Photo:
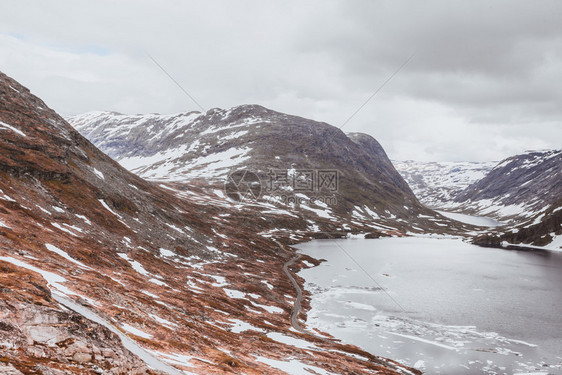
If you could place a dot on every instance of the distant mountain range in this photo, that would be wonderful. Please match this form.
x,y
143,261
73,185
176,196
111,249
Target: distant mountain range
x,y
523,191
515,188
437,184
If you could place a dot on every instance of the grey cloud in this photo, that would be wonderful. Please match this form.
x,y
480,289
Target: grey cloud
x,y
471,55
479,66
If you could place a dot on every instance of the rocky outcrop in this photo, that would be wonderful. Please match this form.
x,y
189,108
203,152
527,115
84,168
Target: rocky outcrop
x,y
66,340
38,336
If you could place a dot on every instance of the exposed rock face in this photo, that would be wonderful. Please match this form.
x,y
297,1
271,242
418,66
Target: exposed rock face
x,y
196,279
203,148
437,184
518,188
35,334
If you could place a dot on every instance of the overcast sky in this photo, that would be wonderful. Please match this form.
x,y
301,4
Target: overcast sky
x,y
484,83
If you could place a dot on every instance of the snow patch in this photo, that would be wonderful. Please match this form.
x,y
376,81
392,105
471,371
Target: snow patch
x,y
99,174
136,265
10,127
135,331
65,255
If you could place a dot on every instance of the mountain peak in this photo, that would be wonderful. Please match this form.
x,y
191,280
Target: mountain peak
x,y
204,148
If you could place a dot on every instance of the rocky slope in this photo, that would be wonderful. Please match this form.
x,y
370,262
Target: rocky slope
x,y
104,272
294,160
436,184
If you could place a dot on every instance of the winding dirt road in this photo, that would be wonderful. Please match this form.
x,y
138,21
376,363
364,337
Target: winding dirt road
x,y
297,307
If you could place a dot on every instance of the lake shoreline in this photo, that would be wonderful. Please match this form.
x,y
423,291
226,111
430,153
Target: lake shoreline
x,y
356,301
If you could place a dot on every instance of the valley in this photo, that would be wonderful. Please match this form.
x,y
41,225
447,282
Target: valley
x,y
140,248
280,187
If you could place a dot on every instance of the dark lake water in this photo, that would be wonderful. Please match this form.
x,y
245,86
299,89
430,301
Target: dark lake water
x,y
441,305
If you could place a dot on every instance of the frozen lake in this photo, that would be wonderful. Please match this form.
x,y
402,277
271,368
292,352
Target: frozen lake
x,y
447,307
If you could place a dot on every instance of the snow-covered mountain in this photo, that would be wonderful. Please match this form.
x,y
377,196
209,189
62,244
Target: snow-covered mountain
x,y
203,148
169,147
525,191
519,187
436,184
103,272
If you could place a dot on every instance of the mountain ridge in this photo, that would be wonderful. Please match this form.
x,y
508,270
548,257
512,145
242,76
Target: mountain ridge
x,y
206,147
517,188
